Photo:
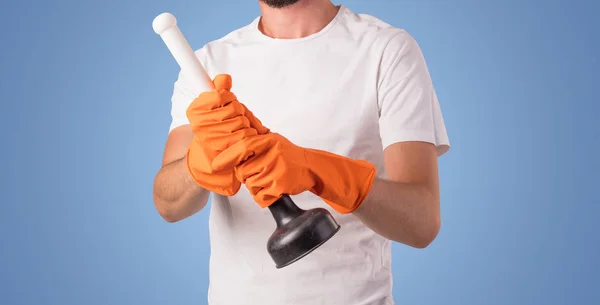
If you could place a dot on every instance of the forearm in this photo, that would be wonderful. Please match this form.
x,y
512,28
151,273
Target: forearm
x,y
176,195
405,213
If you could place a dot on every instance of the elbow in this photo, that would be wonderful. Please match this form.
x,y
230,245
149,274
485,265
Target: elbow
x,y
429,227
421,237
164,210
169,217
425,240
427,234
166,206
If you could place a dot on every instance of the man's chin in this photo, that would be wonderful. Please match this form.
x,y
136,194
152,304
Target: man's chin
x,y
279,3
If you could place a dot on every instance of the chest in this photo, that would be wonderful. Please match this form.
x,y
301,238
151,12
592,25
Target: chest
x,y
323,98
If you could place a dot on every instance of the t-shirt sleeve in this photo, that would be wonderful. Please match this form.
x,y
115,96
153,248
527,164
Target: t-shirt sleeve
x,y
408,106
183,96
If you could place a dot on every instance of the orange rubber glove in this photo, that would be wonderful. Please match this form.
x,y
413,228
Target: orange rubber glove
x,y
218,120
271,166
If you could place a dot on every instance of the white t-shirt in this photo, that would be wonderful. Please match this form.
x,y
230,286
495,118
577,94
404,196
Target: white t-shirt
x,y
354,88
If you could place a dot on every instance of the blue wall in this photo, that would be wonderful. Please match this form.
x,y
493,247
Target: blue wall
x,y
85,89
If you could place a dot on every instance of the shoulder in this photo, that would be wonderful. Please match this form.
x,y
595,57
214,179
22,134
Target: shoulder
x,y
383,35
242,35
212,54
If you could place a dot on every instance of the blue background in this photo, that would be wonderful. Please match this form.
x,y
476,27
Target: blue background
x,y
85,89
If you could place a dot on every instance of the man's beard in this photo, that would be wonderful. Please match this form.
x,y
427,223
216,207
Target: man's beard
x,y
279,3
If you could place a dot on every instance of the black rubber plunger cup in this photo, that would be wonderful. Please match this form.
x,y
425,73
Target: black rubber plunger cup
x,y
298,232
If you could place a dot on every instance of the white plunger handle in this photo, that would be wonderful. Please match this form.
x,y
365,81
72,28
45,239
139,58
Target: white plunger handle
x,y
165,25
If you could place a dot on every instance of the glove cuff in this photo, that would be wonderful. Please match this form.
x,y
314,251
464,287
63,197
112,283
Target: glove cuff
x,y
343,183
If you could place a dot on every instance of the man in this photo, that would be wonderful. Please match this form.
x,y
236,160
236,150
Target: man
x,y
336,109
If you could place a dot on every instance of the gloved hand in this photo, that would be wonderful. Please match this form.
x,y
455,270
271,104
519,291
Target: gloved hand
x,y
271,166
218,120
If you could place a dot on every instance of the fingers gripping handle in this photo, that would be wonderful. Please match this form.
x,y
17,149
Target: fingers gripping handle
x,y
165,25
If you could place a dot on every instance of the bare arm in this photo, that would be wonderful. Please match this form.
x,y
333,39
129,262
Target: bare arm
x,y
176,195
406,206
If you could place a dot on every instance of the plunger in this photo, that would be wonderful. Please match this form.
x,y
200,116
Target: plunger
x,y
298,232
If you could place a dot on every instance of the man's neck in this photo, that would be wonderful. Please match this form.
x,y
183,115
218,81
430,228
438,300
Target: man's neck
x,y
299,20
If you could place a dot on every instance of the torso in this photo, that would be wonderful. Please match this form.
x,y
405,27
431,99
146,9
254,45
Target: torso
x,y
319,92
